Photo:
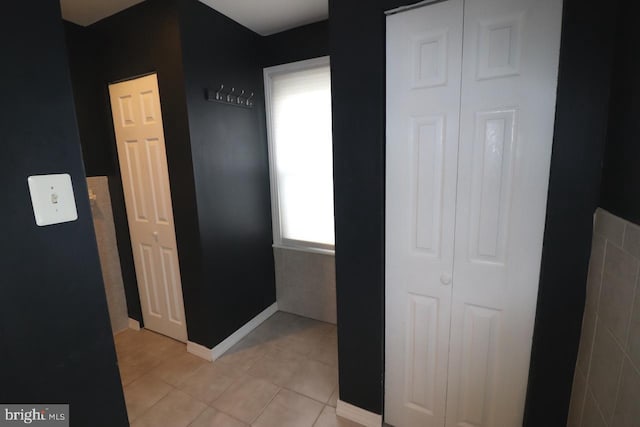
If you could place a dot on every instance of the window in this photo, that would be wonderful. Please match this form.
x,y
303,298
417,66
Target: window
x,y
298,102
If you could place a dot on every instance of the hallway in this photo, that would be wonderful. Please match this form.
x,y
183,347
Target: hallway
x,y
284,373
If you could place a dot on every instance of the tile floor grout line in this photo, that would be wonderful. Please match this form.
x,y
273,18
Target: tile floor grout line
x,y
230,416
265,406
154,404
197,416
318,416
298,343
308,397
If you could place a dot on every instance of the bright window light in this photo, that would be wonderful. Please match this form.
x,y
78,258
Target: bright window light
x,y
299,120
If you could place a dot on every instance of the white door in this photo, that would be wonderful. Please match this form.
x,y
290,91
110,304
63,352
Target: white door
x,y
137,120
509,80
507,106
424,54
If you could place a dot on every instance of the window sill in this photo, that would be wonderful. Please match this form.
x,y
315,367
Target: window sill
x,y
308,249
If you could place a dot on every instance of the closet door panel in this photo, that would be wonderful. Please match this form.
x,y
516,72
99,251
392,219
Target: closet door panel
x,y
509,78
424,60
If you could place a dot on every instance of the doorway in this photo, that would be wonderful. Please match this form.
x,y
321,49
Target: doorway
x,y
137,121
471,89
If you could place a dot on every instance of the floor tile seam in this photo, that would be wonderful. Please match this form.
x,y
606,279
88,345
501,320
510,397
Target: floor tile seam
x,y
307,396
298,394
229,386
226,413
141,377
267,404
164,381
151,368
143,413
209,403
319,415
323,362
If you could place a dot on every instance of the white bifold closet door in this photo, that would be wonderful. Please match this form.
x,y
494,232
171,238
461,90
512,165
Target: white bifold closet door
x,y
471,89
137,122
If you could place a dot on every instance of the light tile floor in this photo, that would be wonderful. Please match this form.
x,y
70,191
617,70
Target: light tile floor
x,y
283,374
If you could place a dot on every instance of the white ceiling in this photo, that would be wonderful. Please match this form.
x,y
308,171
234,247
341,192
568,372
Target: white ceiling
x,y
262,16
272,16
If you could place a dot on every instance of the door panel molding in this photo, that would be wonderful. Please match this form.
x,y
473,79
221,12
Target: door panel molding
x,y
468,148
137,120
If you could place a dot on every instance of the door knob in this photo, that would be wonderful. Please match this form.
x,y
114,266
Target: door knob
x,y
155,235
445,278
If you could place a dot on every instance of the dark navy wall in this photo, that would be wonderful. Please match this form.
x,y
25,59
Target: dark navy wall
x,y
357,40
217,155
231,172
621,174
306,42
574,187
85,65
357,49
56,344
140,40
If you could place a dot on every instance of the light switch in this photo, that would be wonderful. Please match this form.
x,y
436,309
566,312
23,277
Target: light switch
x,y
52,198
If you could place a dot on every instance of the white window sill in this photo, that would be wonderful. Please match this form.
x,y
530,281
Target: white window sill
x,y
308,249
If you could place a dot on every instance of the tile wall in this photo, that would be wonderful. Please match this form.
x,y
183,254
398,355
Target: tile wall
x,y
108,250
306,284
606,385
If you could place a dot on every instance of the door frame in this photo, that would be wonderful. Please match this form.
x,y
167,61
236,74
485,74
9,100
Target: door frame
x,y
544,206
123,231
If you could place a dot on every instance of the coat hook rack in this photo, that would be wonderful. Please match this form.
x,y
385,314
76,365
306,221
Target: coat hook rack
x,y
229,97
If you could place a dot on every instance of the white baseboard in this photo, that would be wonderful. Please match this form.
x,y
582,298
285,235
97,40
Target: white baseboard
x,y
358,415
232,339
199,350
134,324
212,354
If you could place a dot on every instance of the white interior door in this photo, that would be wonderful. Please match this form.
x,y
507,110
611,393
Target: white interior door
x,y
499,148
509,80
424,57
137,120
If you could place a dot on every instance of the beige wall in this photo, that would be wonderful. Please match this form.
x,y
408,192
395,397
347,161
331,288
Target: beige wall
x,y
306,284
108,250
606,387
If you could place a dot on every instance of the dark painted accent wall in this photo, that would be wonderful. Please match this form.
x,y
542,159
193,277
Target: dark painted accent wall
x,y
357,48
230,166
140,40
56,344
85,65
574,187
621,174
217,154
356,34
306,42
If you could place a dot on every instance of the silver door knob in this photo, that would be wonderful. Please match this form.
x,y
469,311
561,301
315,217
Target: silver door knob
x,y
445,278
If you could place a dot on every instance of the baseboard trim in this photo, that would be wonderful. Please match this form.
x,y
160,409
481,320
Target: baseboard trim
x,y
199,350
212,354
358,415
134,324
232,339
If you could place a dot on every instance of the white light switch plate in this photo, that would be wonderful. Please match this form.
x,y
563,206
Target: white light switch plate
x,y
52,199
